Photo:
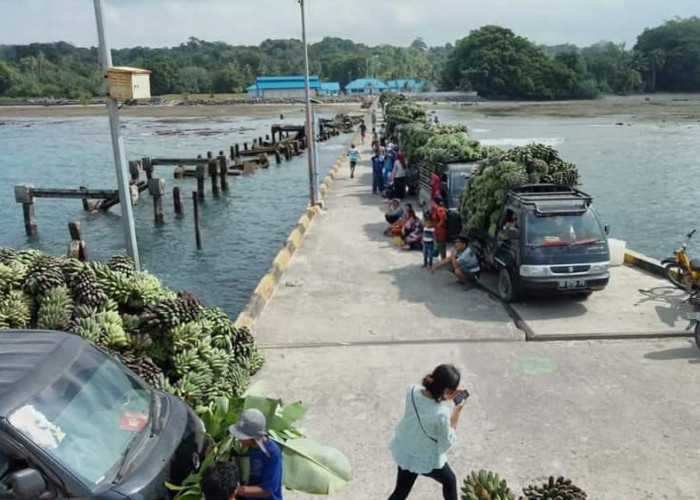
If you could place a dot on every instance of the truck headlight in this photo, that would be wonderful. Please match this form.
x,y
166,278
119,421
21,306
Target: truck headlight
x,y
599,268
534,271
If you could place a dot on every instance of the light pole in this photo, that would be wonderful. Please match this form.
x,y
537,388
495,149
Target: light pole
x,y
310,140
117,144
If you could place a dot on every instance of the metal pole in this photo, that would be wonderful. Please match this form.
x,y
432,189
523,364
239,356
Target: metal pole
x,y
317,132
310,142
117,145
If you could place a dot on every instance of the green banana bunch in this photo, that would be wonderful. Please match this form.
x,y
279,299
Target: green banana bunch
x,y
16,310
555,489
485,485
43,274
122,264
55,310
12,275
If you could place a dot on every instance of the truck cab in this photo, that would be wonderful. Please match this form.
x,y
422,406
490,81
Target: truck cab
x,y
76,423
454,177
550,240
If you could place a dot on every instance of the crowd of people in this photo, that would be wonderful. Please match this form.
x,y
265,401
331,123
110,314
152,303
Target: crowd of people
x,y
430,236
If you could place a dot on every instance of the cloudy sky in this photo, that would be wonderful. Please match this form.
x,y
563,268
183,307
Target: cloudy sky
x,y
170,22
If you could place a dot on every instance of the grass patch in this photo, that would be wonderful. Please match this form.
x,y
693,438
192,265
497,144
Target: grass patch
x,y
216,97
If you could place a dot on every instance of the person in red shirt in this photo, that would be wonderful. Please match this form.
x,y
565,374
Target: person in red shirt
x,y
439,216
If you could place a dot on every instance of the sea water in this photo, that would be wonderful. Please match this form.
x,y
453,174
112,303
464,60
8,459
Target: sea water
x,y
242,230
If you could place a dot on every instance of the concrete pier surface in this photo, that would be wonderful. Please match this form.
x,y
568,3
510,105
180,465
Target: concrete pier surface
x,y
354,321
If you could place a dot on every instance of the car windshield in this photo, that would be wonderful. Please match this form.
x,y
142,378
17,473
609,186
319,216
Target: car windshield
x,y
563,230
87,419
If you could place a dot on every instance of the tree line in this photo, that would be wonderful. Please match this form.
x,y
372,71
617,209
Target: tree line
x,y
491,60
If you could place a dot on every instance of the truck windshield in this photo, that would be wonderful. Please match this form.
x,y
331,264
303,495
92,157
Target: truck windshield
x,y
563,230
87,419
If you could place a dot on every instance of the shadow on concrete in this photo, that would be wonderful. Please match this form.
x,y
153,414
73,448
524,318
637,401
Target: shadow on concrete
x,y
670,303
375,232
691,353
442,294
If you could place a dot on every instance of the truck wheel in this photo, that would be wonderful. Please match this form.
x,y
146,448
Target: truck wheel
x,y
507,287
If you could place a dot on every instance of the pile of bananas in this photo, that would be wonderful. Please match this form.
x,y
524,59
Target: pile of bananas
x,y
555,489
485,485
399,110
483,198
171,340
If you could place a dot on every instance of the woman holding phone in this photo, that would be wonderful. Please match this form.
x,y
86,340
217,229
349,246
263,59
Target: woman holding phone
x,y
427,431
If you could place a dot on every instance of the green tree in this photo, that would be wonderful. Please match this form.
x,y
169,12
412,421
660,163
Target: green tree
x,y
163,74
8,77
673,52
229,79
419,45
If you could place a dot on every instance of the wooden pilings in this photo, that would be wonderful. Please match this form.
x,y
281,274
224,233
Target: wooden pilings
x,y
201,175
214,176
197,234
223,170
156,187
77,248
177,200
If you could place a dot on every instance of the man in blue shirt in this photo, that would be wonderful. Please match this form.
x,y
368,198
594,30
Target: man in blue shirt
x,y
377,173
463,261
265,479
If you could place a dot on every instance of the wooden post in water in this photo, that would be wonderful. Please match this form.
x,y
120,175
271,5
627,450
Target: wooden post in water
x,y
197,235
214,174
210,155
134,171
77,248
223,171
23,195
86,202
278,157
233,153
255,142
156,187
260,141
201,175
237,148
147,167
245,146
267,137
177,200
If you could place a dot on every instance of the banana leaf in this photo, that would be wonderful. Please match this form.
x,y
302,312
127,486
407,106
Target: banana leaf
x,y
313,468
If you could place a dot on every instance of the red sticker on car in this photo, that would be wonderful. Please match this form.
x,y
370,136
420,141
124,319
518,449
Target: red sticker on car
x,y
133,421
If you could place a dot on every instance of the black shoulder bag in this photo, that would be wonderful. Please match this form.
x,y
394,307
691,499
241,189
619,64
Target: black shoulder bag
x,y
413,399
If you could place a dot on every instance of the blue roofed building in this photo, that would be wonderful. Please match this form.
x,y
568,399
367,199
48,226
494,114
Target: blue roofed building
x,y
329,89
282,87
407,85
369,86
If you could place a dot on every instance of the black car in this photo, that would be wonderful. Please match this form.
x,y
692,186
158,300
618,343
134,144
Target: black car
x,y
549,240
76,423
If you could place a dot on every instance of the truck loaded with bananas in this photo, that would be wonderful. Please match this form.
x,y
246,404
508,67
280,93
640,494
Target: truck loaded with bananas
x,y
169,339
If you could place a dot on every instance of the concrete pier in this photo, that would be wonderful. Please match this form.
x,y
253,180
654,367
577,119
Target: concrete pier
x,y
354,321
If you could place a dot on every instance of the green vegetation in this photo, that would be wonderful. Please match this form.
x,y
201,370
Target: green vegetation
x,y
484,485
171,340
492,60
309,466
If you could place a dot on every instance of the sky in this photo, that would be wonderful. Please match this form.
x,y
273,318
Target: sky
x,y
158,23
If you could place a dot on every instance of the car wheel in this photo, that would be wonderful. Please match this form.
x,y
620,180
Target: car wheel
x,y
506,286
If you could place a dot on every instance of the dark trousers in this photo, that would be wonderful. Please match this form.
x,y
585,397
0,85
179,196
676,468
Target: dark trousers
x,y
428,251
405,480
400,187
377,182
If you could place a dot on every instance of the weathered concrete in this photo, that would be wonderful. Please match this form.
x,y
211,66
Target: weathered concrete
x,y
635,303
354,321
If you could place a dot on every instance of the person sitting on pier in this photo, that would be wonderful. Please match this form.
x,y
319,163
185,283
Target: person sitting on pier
x,y
462,260
396,229
394,212
354,156
412,232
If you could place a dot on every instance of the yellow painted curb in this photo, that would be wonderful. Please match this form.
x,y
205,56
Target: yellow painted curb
x,y
315,210
295,238
244,320
282,260
323,190
265,287
327,182
304,221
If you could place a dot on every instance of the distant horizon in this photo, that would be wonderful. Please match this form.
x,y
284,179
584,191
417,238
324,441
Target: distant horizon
x,y
160,23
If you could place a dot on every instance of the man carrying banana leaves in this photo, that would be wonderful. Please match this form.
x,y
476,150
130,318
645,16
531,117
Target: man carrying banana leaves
x,y
265,479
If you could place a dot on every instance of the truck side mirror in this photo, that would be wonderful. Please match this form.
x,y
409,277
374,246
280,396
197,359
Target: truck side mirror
x,y
27,484
513,233
607,230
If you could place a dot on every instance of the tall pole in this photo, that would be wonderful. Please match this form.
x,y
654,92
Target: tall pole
x,y
311,143
117,144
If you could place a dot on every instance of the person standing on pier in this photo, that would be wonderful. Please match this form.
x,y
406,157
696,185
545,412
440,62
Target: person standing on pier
x,y
354,156
377,176
363,131
439,216
265,479
427,432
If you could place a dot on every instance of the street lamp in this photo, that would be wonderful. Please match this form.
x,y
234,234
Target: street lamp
x,y
310,139
117,144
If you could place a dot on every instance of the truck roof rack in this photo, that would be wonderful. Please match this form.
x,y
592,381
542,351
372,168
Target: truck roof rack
x,y
553,198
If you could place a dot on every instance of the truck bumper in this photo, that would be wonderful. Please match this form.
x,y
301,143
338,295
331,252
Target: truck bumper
x,y
563,285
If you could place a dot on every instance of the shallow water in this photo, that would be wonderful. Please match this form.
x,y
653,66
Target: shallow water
x,y
242,230
644,177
